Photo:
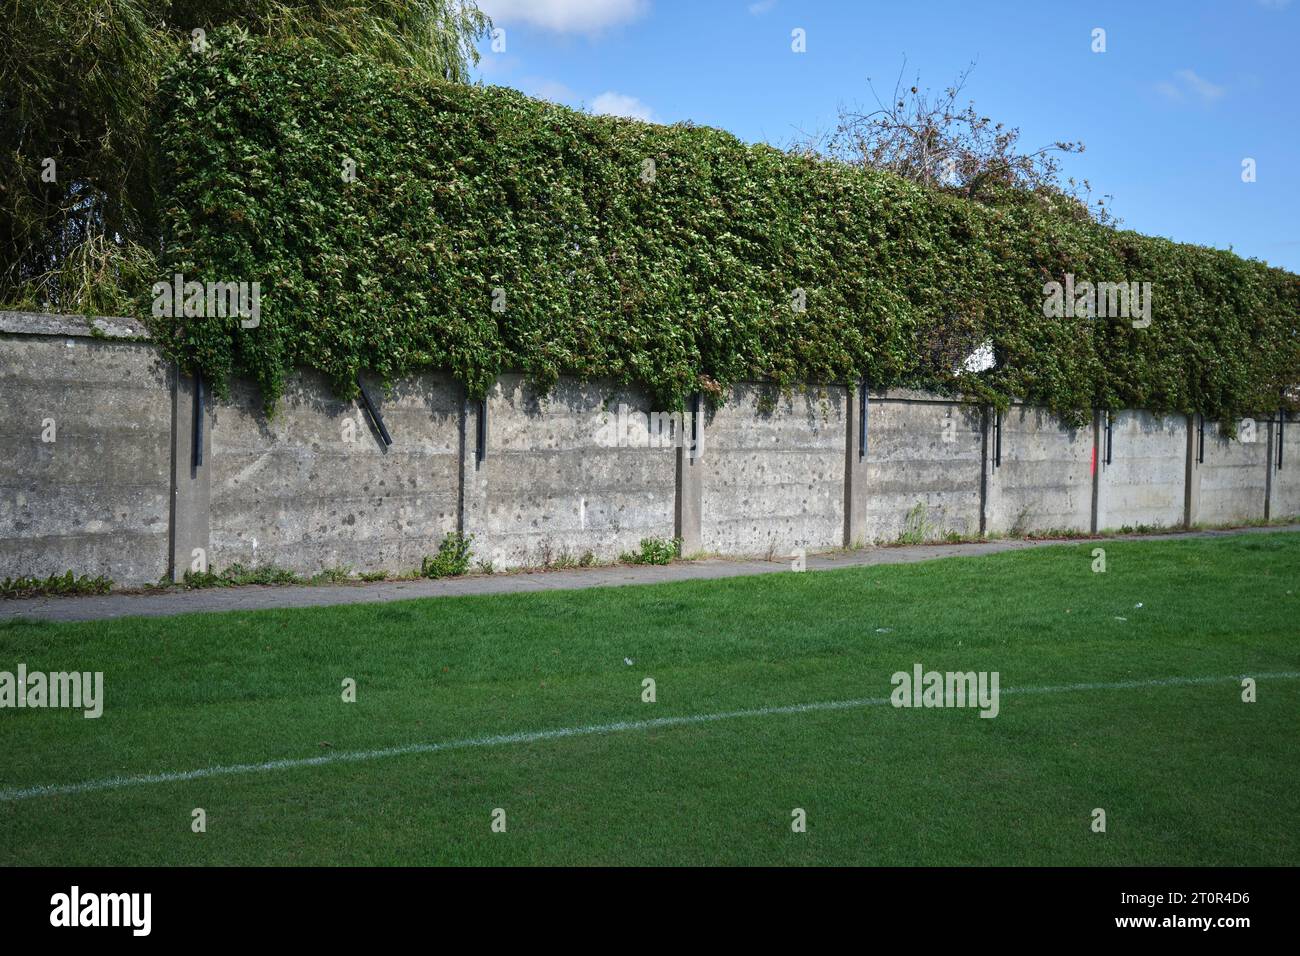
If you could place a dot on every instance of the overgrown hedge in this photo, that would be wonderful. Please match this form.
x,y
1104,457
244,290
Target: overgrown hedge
x,y
679,277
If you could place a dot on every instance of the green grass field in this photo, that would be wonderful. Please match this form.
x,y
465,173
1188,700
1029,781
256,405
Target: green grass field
x,y
1187,773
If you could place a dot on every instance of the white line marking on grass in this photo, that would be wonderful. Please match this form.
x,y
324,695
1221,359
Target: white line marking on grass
x,y
559,733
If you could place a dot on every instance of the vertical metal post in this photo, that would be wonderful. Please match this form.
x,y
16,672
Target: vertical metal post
x,y
697,421
480,445
1281,434
997,439
864,406
1200,439
196,458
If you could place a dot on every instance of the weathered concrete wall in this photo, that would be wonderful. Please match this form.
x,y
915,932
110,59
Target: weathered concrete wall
x,y
922,467
1231,478
95,499
575,472
1144,483
1044,480
1286,480
314,487
774,471
566,474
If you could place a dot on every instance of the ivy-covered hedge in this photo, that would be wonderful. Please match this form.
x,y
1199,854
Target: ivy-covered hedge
x,y
669,256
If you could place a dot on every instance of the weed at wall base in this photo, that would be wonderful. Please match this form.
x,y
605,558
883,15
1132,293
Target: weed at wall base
x,y
452,559
654,551
60,584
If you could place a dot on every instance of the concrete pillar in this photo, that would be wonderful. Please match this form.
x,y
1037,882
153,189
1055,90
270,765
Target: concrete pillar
x,y
855,473
1098,464
1268,469
472,495
1192,495
988,420
688,505
190,512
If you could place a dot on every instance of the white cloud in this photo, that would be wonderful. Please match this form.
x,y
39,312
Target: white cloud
x,y
619,104
1275,4
1189,83
761,7
565,16
548,90
1201,87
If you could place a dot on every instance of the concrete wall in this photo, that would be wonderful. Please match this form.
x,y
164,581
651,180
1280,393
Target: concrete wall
x,y
1232,477
121,492
1144,483
773,476
1044,480
314,487
921,471
566,474
96,499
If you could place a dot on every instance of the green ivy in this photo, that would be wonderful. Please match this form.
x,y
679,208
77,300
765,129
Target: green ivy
x,y
664,256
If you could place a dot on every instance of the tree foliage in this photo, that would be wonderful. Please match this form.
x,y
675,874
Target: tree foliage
x,y
77,85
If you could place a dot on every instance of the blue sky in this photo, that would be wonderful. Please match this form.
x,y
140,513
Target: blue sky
x,y
1185,91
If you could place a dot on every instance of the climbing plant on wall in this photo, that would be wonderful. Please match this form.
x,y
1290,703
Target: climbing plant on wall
x,y
396,223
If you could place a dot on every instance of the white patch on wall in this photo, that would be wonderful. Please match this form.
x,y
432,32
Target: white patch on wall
x,y
980,360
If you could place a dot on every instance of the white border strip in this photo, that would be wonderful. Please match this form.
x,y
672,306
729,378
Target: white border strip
x,y
559,733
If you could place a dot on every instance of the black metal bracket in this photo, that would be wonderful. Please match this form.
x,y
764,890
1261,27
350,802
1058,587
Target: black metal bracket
x,y
373,411
196,451
1110,437
864,408
997,438
481,432
1200,438
697,422
1281,434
